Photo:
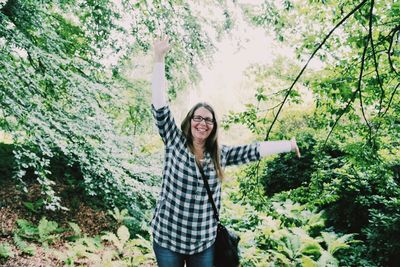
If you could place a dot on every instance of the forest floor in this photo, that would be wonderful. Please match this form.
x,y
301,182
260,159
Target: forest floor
x,y
92,221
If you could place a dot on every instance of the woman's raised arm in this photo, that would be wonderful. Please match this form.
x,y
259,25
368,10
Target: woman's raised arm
x,y
158,81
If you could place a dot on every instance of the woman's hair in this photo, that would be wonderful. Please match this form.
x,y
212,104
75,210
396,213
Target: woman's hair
x,y
212,140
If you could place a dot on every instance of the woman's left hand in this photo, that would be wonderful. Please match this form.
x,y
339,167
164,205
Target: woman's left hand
x,y
294,147
161,48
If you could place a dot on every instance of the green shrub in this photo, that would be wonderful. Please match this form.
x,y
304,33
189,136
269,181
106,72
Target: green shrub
x,y
108,250
383,231
286,171
288,235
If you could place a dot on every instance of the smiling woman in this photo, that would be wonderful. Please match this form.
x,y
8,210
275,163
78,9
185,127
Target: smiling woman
x,y
184,227
201,131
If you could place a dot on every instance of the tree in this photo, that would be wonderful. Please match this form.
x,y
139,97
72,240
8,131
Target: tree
x,y
354,127
58,93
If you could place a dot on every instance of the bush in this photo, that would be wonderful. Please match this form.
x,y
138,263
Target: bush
x,y
353,184
383,231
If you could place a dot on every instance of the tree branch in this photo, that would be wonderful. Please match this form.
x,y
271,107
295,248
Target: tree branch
x,y
308,61
390,100
359,91
341,114
393,33
362,70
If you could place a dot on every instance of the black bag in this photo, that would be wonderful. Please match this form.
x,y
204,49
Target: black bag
x,y
226,248
226,244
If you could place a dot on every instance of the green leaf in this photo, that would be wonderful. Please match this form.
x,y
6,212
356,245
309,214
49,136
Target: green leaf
x,y
308,262
77,230
327,260
123,234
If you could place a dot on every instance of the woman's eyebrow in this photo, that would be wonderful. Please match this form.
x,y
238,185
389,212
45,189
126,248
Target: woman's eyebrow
x,y
207,117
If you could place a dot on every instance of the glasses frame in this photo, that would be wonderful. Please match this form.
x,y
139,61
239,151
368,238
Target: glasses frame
x,y
198,118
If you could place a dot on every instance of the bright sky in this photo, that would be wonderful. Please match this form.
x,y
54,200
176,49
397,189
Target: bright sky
x,y
222,83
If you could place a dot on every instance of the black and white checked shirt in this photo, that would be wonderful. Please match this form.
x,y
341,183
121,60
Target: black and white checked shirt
x,y
183,220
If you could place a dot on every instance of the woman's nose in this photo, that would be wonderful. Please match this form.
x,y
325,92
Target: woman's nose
x,y
203,122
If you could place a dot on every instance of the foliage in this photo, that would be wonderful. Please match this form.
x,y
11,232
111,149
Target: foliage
x,y
120,250
23,246
45,233
357,191
286,234
120,216
34,206
118,240
81,248
64,103
5,251
349,138
383,231
77,248
77,232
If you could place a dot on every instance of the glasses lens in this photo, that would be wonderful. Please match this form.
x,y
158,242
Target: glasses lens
x,y
198,118
209,121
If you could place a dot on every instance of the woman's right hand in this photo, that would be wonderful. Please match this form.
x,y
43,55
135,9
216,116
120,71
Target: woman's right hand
x,y
161,48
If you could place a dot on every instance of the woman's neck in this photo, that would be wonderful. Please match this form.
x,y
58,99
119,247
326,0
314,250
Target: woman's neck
x,y
199,145
198,148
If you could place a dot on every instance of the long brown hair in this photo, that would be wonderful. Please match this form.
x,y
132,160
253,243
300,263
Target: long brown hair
x,y
212,140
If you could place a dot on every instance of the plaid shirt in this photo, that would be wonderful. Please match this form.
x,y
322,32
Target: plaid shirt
x,y
183,220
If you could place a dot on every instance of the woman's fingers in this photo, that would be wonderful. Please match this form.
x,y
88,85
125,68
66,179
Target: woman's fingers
x,y
298,152
295,147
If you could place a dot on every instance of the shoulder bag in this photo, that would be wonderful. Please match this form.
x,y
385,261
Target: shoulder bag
x,y
226,243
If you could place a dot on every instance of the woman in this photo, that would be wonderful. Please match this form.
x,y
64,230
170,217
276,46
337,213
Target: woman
x,y
183,225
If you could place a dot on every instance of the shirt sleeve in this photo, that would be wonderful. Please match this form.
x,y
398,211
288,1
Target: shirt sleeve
x,y
166,125
235,155
268,148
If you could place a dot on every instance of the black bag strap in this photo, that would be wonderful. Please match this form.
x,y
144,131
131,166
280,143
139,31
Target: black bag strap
x,y
216,215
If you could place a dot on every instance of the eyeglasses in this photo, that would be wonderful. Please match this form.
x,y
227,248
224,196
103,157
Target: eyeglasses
x,y
198,118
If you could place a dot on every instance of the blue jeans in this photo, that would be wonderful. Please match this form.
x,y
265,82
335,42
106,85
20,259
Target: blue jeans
x,y
168,258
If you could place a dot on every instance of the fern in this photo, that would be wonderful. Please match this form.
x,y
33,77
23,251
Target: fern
x,y
84,247
120,216
25,247
118,240
139,252
6,251
308,262
27,229
77,231
43,233
336,243
327,260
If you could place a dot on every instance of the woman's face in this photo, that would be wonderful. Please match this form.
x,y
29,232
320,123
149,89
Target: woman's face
x,y
202,124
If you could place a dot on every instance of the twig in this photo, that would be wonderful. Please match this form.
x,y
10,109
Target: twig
x,y
390,100
393,33
308,61
343,112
